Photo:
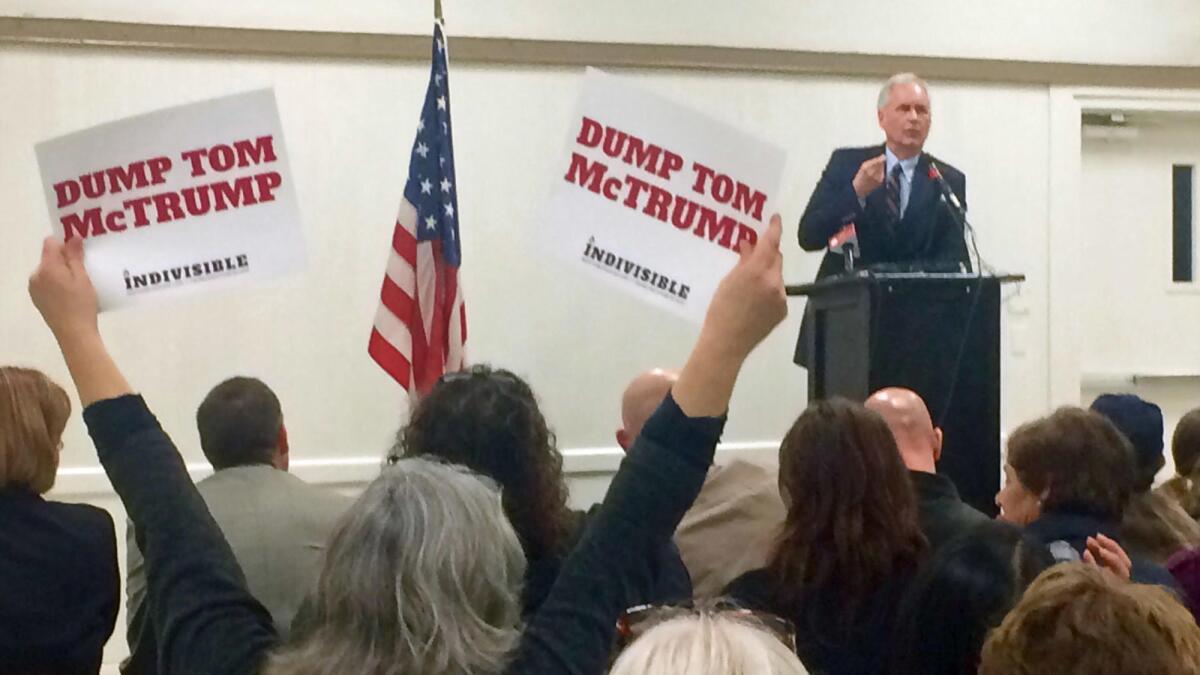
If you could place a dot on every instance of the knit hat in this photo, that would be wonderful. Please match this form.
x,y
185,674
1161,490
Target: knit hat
x,y
1140,421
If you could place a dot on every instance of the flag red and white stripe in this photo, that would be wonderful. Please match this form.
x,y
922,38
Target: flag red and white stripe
x,y
420,329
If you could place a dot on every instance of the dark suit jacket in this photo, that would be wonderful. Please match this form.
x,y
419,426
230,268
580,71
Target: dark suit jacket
x,y
943,513
927,233
59,585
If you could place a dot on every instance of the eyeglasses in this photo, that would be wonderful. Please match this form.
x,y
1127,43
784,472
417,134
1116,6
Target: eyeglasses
x,y
636,621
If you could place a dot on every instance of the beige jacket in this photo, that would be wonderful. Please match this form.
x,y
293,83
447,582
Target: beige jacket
x,y
1156,526
731,528
277,526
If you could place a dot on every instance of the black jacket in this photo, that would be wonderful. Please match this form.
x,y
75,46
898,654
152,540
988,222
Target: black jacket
x,y
59,585
943,513
827,641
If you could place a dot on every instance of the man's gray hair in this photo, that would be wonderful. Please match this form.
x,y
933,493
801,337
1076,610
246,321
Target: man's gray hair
x,y
708,643
885,93
422,575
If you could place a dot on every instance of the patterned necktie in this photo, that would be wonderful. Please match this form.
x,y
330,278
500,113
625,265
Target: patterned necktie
x,y
893,191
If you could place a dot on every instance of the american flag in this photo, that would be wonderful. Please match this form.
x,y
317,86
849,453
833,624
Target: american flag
x,y
421,327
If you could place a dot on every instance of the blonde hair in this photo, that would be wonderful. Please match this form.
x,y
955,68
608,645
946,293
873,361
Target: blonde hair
x,y
1184,487
33,413
712,643
1077,618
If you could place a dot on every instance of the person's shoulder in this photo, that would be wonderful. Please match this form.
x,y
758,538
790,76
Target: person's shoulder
x,y
1143,571
741,470
272,486
855,153
84,514
90,527
948,170
323,497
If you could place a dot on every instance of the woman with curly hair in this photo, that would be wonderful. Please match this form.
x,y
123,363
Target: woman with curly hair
x,y
850,544
488,420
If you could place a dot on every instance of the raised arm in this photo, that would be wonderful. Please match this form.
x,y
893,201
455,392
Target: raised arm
x,y
205,619
659,478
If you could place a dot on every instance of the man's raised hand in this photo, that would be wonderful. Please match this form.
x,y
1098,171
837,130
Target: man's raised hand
x,y
869,176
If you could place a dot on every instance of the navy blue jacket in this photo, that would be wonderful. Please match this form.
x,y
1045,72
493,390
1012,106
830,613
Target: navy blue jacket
x,y
1055,528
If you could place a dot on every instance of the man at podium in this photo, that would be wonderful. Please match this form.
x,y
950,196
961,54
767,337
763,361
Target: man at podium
x,y
892,196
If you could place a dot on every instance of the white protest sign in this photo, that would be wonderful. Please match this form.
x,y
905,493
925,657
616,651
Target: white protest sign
x,y
183,199
654,197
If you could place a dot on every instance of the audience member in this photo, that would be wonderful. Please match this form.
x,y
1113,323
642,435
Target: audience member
x,y
276,524
960,594
1076,618
850,544
1154,525
732,525
1069,476
209,622
943,513
402,591
708,642
1184,487
1185,567
489,421
59,583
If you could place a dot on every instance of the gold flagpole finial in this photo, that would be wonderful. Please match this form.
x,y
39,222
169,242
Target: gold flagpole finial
x,y
437,10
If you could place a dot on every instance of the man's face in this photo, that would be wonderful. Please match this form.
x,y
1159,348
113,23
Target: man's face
x,y
905,119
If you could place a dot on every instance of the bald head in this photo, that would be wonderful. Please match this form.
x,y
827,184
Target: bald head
x,y
640,400
919,442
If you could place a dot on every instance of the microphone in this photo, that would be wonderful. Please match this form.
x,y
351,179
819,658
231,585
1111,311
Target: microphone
x,y
845,241
935,175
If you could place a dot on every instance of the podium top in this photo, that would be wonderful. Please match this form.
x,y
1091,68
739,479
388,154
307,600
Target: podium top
x,y
867,276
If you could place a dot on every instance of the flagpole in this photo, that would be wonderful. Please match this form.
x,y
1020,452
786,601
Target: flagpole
x,y
437,11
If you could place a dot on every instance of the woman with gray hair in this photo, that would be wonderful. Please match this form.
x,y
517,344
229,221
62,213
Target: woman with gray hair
x,y
399,593
207,622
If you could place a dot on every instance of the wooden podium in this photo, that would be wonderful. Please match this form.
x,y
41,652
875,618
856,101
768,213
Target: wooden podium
x,y
937,334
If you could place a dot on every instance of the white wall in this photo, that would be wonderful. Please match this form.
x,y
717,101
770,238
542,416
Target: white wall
x,y
1150,32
